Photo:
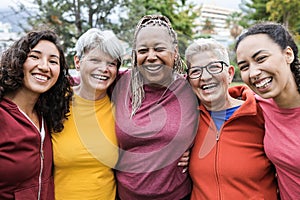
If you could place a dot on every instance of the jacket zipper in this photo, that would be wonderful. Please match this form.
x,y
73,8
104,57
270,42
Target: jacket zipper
x,y
216,163
41,170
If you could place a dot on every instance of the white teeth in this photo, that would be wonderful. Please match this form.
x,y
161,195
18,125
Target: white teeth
x,y
41,77
263,83
104,78
205,87
152,67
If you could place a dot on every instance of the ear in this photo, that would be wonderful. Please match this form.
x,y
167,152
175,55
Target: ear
x,y
231,71
77,62
176,52
289,55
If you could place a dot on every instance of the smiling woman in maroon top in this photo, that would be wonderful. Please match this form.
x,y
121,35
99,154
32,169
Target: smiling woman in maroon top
x,y
34,100
156,117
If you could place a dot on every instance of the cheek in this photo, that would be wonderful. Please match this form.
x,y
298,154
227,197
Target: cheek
x,y
244,76
55,72
114,74
140,59
171,59
194,84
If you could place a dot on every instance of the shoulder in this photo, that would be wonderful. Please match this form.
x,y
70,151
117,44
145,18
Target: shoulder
x,y
265,103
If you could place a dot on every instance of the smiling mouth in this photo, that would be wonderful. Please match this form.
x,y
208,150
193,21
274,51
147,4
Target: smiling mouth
x,y
153,67
208,86
99,77
263,84
40,77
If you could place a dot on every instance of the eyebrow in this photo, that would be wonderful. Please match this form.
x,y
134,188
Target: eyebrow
x,y
253,56
39,52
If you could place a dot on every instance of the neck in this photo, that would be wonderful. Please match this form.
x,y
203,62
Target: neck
x,y
228,102
288,101
289,97
25,101
92,95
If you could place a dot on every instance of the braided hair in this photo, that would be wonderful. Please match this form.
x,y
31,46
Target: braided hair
x,y
137,83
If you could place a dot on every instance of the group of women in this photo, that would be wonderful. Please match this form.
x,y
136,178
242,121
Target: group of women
x,y
122,135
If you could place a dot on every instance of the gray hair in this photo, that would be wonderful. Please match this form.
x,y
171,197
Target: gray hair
x,y
106,41
202,45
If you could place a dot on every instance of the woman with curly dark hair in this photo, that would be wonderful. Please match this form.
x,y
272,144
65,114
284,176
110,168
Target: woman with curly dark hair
x,y
34,101
268,60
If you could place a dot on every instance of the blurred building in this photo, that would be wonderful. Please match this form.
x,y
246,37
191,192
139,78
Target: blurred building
x,y
213,22
7,37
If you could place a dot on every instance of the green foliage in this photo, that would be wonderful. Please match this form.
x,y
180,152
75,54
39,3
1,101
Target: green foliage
x,y
180,13
70,18
253,10
285,11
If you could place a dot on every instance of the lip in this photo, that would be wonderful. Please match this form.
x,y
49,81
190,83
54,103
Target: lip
x,y
40,77
263,84
208,86
153,67
100,77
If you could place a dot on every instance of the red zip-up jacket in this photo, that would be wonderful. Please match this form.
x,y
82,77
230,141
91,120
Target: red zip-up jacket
x,y
25,161
234,166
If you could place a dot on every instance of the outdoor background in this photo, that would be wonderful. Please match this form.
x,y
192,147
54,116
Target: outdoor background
x,y
192,19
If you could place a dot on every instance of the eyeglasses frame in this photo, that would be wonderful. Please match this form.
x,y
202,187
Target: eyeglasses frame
x,y
202,67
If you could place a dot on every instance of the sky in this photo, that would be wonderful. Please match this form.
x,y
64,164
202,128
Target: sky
x,y
232,4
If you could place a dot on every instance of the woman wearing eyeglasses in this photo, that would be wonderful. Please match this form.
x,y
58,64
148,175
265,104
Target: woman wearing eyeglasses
x,y
228,159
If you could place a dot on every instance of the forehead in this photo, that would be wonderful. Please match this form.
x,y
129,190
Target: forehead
x,y
253,43
98,53
46,47
202,58
153,34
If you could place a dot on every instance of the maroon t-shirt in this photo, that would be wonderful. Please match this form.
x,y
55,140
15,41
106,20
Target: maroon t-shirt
x,y
154,139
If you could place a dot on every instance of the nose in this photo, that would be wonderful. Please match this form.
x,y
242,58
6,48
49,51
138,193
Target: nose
x,y
254,72
151,55
43,65
205,75
103,66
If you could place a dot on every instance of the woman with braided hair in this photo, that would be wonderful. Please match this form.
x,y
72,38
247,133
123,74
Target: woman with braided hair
x,y
156,116
268,60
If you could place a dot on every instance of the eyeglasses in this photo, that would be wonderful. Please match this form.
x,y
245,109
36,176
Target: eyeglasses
x,y
212,68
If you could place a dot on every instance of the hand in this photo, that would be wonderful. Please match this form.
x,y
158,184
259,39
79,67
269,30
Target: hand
x,y
184,161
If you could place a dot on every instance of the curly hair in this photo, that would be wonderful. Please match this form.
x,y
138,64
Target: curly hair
x,y
281,36
52,105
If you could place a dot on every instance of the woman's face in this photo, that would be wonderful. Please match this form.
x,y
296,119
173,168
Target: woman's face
x,y
98,70
155,55
264,66
41,68
211,89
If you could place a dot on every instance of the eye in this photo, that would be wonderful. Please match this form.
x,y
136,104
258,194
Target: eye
x,y
54,62
244,67
261,59
94,61
113,64
142,51
160,49
195,71
214,67
33,56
